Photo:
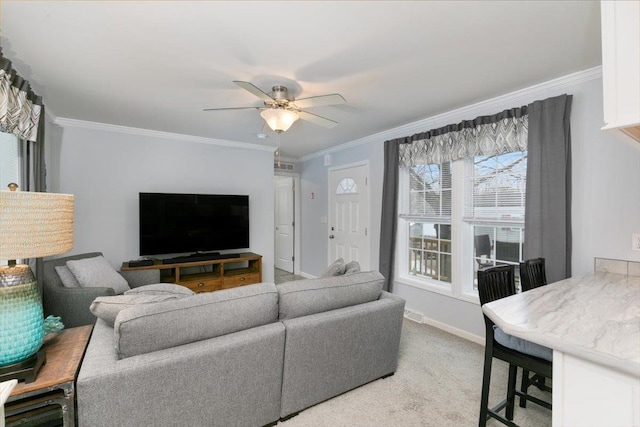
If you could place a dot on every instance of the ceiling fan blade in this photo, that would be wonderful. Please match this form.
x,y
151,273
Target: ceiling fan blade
x,y
233,108
318,120
318,101
254,90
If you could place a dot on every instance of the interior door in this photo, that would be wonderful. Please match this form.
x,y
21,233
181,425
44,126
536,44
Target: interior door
x,y
284,227
349,215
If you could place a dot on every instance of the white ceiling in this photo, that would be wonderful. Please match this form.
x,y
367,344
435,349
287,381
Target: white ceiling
x,y
156,65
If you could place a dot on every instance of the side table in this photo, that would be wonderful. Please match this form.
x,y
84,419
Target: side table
x,y
55,384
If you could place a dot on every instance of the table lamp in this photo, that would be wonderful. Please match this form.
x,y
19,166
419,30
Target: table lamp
x,y
32,225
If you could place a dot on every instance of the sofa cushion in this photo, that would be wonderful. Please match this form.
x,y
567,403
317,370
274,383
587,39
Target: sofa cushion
x,y
150,327
352,267
304,297
335,269
161,289
107,308
97,272
66,277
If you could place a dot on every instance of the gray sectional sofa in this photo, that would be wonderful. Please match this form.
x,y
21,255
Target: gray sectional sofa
x,y
246,356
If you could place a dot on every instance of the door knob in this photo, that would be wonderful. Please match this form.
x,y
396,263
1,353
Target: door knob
x,y
331,236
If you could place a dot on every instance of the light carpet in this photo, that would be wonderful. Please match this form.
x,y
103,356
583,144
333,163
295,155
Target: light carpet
x,y
438,383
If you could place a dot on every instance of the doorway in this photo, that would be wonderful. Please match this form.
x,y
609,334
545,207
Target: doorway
x,y
349,214
286,223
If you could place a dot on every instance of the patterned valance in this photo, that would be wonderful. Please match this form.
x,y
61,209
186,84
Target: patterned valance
x,y
486,135
20,108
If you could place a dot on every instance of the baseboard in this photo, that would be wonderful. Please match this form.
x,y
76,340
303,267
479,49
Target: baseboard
x,y
418,317
307,275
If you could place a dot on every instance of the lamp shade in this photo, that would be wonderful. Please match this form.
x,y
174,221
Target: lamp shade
x,y
279,119
32,225
35,225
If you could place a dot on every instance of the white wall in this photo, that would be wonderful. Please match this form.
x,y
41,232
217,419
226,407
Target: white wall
x,y
106,170
605,186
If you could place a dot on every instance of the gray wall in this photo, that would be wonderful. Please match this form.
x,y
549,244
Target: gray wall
x,y
106,170
606,193
314,179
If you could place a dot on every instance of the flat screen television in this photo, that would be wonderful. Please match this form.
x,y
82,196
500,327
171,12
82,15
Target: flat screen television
x,y
178,223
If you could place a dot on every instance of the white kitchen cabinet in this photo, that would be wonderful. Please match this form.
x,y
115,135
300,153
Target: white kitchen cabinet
x,y
588,394
621,65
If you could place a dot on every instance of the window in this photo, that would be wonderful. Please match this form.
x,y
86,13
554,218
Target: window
x,y
457,217
494,206
9,160
430,221
347,186
10,163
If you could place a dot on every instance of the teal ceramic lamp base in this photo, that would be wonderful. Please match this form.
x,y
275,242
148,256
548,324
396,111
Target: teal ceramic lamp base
x,y
21,321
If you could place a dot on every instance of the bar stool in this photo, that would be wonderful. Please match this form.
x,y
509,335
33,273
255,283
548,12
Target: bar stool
x,y
532,275
495,283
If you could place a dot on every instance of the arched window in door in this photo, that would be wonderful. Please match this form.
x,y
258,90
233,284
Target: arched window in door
x,y
347,186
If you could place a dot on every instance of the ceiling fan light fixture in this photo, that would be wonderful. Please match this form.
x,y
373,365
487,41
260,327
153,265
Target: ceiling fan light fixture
x,y
278,119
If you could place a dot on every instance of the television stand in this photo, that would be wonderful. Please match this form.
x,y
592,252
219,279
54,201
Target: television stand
x,y
201,256
223,272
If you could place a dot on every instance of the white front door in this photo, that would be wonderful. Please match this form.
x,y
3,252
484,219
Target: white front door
x,y
284,226
349,214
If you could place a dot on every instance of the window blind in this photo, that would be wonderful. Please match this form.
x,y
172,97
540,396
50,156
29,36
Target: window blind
x,y
495,187
429,193
9,160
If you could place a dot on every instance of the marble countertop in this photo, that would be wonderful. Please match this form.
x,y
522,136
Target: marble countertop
x,y
594,317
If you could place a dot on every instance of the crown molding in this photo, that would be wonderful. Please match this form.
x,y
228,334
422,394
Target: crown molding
x,y
73,123
516,98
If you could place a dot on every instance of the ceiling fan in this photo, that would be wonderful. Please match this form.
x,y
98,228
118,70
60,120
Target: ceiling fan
x,y
281,109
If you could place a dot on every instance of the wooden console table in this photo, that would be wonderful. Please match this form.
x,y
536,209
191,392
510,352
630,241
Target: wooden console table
x,y
223,273
55,383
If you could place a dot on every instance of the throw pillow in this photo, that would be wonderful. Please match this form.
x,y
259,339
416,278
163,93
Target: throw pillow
x,y
335,269
97,272
161,289
66,277
107,308
352,267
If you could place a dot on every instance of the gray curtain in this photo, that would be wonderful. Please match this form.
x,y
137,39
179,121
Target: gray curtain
x,y
548,201
39,171
389,219
39,184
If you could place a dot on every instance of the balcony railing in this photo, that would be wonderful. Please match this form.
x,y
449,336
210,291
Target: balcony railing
x,y
430,257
